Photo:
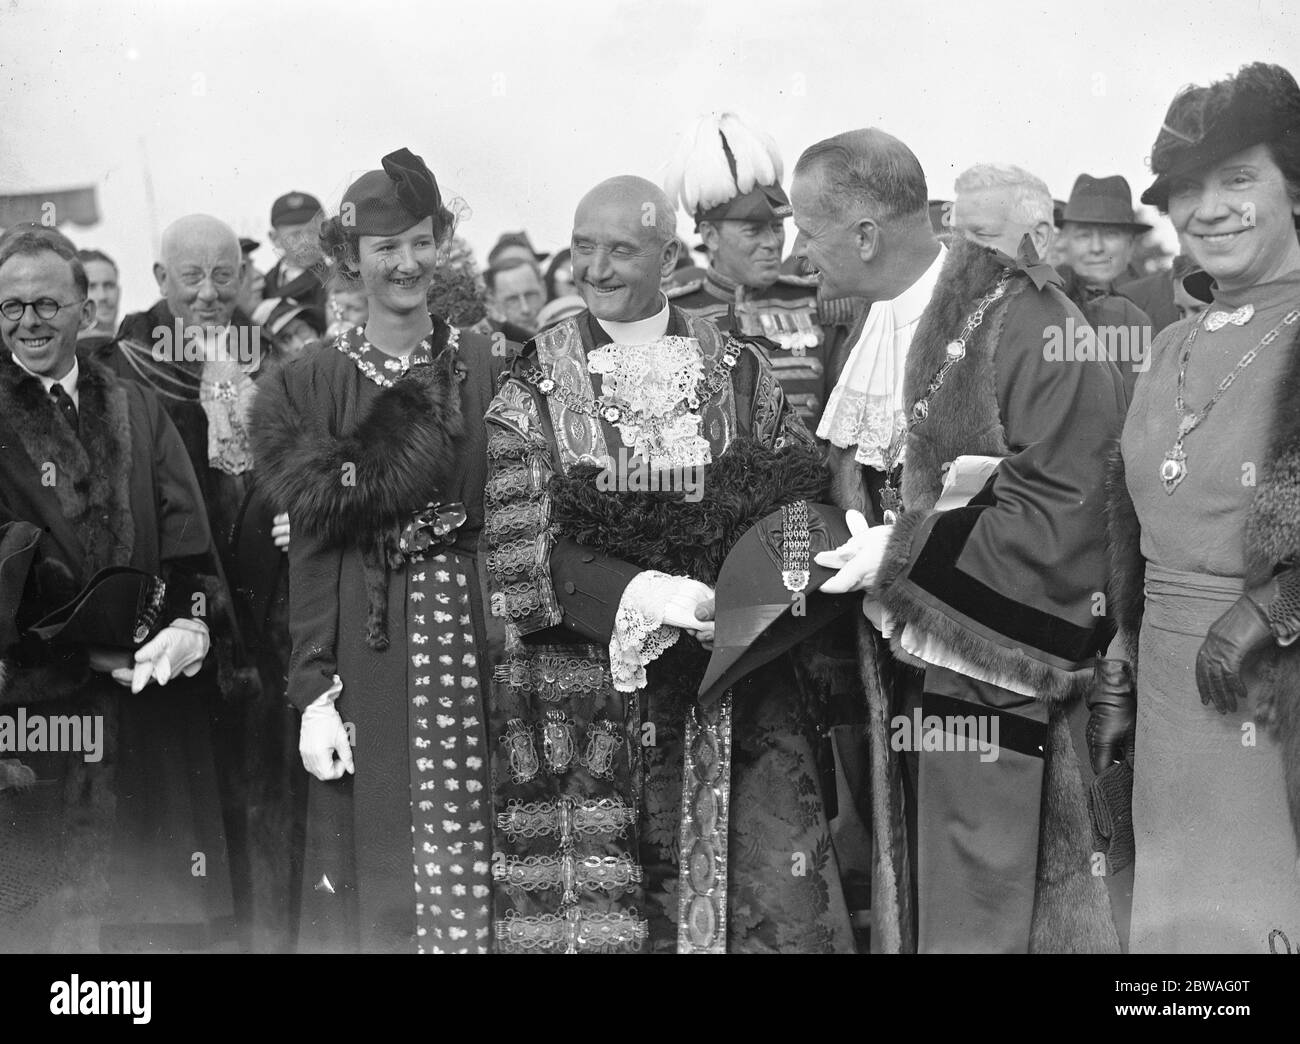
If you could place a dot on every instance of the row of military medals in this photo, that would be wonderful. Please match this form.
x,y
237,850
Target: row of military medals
x,y
1173,469
891,497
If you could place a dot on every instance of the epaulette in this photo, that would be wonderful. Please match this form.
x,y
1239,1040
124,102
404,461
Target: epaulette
x,y
674,292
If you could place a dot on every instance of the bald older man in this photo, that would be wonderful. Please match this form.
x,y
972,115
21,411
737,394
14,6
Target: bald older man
x,y
608,623
201,355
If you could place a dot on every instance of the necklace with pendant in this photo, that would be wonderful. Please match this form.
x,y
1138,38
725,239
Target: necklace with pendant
x,y
1173,469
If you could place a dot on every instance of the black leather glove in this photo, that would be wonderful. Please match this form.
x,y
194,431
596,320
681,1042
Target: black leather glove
x,y
1112,712
1267,613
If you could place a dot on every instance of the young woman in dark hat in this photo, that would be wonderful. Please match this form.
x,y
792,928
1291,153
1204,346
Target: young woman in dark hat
x,y
1205,526
375,447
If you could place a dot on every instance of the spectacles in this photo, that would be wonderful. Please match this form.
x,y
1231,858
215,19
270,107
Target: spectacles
x,y
46,307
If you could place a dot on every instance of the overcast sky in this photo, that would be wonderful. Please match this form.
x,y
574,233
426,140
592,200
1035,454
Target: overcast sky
x,y
519,106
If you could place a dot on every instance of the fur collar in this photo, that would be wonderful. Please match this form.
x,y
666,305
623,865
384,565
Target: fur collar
x,y
90,476
400,455
1273,528
965,418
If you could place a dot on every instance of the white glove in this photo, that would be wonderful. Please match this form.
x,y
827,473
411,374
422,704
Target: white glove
x,y
179,648
858,560
323,735
680,596
280,530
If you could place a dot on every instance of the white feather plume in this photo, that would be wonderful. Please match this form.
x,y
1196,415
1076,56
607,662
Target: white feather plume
x,y
699,174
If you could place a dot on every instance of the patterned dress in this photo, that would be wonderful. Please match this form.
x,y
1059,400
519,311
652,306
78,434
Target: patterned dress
x,y
398,856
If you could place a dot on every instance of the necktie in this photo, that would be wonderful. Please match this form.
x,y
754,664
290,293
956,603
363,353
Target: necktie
x,y
65,404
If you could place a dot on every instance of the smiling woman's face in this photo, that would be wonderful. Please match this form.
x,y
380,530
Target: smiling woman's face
x,y
396,270
1238,219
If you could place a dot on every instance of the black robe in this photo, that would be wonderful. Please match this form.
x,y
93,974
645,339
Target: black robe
x,y
128,852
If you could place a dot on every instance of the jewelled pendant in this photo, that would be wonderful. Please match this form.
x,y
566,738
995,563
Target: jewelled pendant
x,y
1173,469
794,579
891,504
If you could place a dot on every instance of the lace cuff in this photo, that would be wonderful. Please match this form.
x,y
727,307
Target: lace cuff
x,y
640,635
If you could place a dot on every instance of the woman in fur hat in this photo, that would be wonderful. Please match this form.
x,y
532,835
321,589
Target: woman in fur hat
x,y
1205,527
375,448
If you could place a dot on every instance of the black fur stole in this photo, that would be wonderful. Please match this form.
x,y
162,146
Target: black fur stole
x,y
665,531
359,489
397,459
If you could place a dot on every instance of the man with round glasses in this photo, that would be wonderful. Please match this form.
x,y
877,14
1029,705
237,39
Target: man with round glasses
x,y
100,859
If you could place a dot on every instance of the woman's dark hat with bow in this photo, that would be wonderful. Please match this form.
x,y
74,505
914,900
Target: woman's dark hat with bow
x,y
754,618
386,202
1205,125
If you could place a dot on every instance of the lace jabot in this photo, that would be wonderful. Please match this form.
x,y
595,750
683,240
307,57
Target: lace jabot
x,y
657,384
226,392
867,409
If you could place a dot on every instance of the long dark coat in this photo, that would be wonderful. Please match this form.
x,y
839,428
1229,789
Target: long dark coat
x,y
127,852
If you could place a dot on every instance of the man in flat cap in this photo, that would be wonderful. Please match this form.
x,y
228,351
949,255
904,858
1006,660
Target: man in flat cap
x,y
727,175
295,233
119,848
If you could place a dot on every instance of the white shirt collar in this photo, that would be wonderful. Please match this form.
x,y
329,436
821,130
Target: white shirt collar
x,y
641,331
908,306
69,379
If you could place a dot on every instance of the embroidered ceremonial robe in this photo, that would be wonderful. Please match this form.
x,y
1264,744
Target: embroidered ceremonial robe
x,y
588,780
125,853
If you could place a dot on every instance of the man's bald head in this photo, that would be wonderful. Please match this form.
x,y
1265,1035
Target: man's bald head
x,y
643,199
624,245
199,270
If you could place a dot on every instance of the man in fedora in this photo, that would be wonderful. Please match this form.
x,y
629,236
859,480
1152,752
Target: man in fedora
x,y
1098,234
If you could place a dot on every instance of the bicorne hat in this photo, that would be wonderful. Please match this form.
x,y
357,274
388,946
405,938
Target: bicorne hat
x,y
118,609
756,617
